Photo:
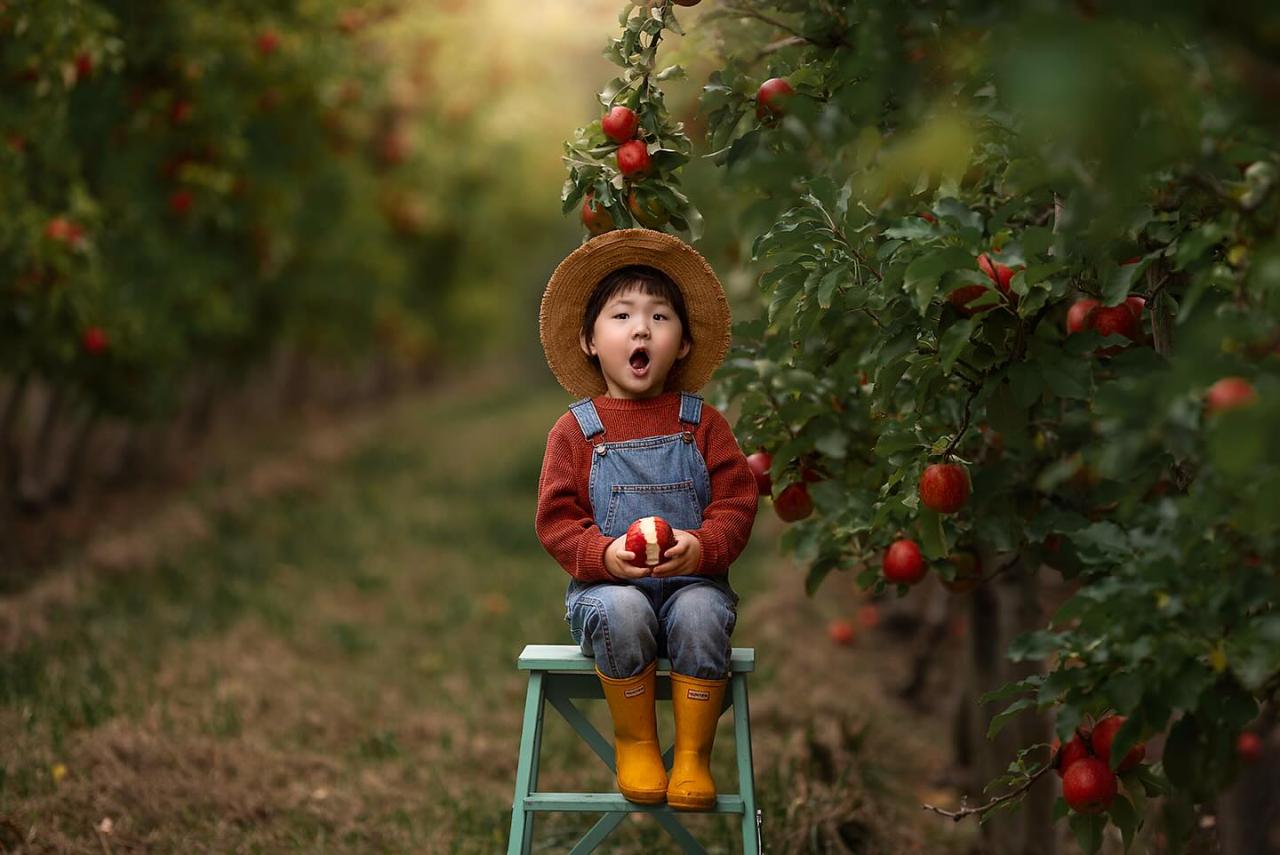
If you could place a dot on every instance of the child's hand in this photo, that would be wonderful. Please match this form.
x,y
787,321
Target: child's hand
x,y
617,560
683,558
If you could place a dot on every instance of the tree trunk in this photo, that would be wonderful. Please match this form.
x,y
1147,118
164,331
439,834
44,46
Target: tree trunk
x,y
1000,611
1248,814
10,467
69,473
32,492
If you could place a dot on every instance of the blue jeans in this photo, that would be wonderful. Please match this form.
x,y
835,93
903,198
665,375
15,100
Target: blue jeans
x,y
625,625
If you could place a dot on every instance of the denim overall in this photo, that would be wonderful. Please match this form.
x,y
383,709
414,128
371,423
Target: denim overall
x,y
627,623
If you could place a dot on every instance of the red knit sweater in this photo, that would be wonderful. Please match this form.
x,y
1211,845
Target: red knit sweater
x,y
564,519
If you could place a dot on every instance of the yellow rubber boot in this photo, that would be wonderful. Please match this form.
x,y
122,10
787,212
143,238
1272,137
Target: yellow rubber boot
x,y
642,777
696,704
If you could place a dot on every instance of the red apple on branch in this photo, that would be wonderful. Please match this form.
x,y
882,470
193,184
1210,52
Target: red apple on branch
x,y
771,100
1078,315
1076,749
944,487
268,42
793,503
964,295
620,124
650,213
1229,393
1249,746
1104,733
633,158
761,464
903,563
1089,786
1000,274
595,217
94,341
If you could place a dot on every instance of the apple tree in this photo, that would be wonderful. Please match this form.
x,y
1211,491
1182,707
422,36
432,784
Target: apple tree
x,y
1020,288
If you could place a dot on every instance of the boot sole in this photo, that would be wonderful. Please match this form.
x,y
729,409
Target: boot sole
x,y
691,804
645,798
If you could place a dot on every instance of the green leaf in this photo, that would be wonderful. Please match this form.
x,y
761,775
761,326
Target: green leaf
x,y
818,571
922,274
1118,283
1008,690
1036,240
891,443
953,342
828,286
1000,719
1087,828
1102,541
933,540
1125,818
833,443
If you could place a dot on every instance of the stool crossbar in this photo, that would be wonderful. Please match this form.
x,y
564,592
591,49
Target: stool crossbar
x,y
560,674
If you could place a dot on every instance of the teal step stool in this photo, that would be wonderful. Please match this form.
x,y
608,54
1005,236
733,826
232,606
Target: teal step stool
x,y
559,673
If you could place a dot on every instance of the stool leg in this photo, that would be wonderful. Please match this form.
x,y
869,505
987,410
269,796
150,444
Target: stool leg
x,y
746,772
521,840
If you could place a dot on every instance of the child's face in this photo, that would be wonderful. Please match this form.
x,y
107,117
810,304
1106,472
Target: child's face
x,y
632,320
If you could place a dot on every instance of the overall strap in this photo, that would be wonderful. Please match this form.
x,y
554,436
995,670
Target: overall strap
x,y
690,407
690,413
588,419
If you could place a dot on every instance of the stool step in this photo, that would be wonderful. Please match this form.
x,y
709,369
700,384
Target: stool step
x,y
616,802
568,657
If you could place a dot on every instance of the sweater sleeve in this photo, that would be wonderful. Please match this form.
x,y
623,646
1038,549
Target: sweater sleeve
x,y
728,519
566,529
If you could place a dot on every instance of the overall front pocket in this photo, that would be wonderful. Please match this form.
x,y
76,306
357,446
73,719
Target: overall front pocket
x,y
676,503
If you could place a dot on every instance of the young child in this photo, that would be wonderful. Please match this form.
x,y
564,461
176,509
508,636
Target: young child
x,y
632,323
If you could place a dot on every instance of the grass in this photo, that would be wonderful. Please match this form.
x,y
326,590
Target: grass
x,y
341,658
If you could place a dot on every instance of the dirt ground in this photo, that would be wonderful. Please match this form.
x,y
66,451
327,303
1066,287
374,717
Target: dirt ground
x,y
312,648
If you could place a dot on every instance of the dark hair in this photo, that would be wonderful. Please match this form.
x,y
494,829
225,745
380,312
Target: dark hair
x,y
650,280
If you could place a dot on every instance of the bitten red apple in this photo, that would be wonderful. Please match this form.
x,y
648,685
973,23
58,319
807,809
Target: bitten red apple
x,y
647,539
771,98
903,563
620,124
793,503
761,462
1228,394
1104,733
1089,786
633,158
944,487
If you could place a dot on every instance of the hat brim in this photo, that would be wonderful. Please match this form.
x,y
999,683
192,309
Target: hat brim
x,y
570,286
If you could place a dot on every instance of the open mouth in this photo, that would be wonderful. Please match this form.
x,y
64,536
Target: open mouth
x,y
639,362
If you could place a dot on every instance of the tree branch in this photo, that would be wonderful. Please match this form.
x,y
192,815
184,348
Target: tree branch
x,y
957,815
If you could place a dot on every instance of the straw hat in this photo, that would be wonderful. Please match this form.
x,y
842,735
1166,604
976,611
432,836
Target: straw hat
x,y
570,286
